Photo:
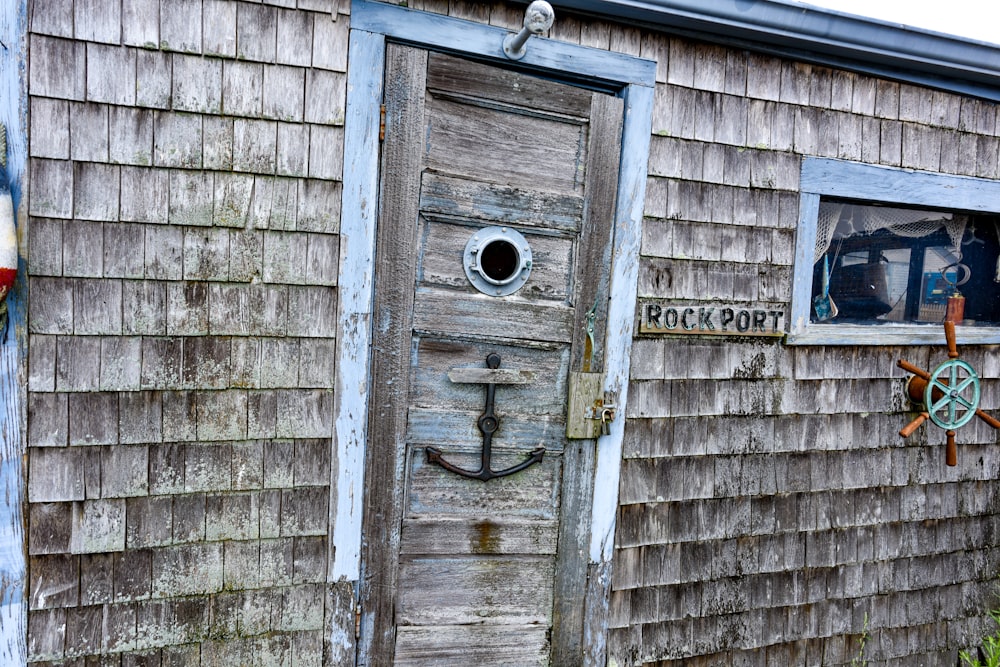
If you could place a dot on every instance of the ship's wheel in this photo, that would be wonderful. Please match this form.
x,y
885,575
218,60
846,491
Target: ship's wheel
x,y
948,396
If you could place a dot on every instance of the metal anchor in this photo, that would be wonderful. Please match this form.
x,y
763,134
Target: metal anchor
x,y
488,422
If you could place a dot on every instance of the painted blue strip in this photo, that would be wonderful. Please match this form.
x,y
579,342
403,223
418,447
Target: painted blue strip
x,y
359,211
13,349
465,37
854,180
805,244
636,136
888,334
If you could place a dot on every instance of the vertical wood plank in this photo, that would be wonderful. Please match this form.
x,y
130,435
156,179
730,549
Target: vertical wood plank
x,y
594,253
406,71
13,347
594,260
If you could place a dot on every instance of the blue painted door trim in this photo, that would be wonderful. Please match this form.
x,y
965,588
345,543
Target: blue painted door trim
x,y
594,67
13,347
356,290
632,78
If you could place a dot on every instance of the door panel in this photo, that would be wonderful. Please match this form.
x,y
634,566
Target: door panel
x,y
442,241
430,387
458,570
477,644
500,204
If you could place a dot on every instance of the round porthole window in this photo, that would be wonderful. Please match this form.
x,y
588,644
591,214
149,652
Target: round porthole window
x,y
497,260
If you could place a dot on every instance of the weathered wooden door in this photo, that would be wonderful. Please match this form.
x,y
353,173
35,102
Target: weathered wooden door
x,y
459,570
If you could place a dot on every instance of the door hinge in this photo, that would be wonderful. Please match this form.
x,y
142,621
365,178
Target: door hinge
x,y
381,123
357,622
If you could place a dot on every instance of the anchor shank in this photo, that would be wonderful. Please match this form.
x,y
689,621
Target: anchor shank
x,y
488,424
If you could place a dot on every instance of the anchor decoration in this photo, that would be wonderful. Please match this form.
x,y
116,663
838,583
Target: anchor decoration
x,y
948,396
488,422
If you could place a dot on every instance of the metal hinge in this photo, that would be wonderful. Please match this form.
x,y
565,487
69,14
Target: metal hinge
x,y
381,123
357,622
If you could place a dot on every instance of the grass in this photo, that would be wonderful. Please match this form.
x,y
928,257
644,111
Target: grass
x,y
987,655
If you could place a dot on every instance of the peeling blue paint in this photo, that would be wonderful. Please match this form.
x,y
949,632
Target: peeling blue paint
x,y
13,115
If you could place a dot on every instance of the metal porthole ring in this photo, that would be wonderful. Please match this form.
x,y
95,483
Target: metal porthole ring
x,y
497,260
952,393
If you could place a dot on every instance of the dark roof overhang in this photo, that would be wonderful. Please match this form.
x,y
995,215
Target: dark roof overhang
x,y
817,35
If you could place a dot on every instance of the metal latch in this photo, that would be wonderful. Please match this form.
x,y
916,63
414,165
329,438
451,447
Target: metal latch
x,y
591,410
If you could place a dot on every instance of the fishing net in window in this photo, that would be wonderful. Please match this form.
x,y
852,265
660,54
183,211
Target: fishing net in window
x,y
844,220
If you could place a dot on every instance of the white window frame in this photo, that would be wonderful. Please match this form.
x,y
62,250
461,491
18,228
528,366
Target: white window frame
x,y
841,179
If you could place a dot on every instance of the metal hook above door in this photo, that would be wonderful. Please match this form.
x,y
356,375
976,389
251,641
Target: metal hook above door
x,y
538,18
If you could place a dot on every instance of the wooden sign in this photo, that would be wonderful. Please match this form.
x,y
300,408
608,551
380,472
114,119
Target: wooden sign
x,y
710,319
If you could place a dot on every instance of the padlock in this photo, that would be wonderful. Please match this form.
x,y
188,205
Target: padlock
x,y
607,416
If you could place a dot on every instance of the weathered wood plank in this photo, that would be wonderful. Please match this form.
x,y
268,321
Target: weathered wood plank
x,y
592,287
455,75
485,645
472,375
496,590
13,344
844,179
594,250
546,150
452,313
395,266
500,204
477,536
431,388
553,55
531,494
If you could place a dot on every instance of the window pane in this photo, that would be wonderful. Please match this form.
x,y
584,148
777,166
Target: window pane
x,y
876,264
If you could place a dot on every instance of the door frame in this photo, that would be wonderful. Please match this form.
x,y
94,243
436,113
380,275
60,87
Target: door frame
x,y
633,79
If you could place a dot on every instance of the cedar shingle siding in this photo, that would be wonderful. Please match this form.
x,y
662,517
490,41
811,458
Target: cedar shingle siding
x,y
184,198
185,166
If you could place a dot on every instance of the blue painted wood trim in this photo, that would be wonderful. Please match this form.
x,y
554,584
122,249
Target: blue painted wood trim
x,y
636,136
822,36
855,180
458,36
13,350
358,217
805,244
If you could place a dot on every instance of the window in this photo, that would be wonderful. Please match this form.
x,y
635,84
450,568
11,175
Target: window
x,y
881,250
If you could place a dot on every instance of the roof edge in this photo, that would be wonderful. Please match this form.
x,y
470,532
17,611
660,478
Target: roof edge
x,y
821,36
